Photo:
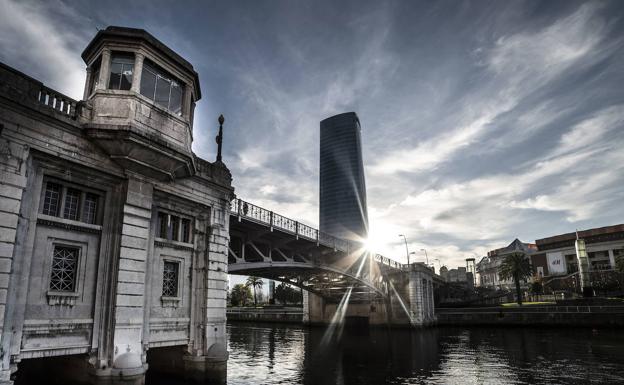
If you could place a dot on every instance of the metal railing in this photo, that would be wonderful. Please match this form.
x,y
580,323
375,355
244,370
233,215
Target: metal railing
x,y
57,101
390,262
251,212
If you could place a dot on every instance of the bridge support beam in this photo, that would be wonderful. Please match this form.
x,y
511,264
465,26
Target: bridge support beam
x,y
421,305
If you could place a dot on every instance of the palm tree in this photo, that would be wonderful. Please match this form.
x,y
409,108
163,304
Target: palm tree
x,y
254,282
518,267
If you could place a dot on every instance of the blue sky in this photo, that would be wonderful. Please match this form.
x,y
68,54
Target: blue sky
x,y
482,121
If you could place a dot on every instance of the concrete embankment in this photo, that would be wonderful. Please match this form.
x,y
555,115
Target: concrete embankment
x,y
611,316
285,314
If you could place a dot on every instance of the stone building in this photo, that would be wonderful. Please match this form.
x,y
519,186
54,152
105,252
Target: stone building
x,y
114,234
488,267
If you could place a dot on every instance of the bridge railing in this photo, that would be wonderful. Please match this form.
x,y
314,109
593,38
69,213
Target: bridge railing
x,y
389,262
249,211
254,213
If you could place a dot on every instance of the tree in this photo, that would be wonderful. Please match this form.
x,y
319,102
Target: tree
x,y
619,263
517,267
284,293
240,295
255,282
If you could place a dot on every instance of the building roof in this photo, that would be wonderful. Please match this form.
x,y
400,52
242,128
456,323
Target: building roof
x,y
599,234
516,245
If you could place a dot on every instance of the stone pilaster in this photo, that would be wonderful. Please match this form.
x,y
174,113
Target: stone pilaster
x,y
207,354
13,182
136,74
104,69
128,356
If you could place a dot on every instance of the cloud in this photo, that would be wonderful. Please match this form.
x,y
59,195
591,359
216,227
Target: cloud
x,y
41,46
517,66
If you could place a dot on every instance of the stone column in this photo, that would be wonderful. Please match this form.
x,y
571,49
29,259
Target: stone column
x,y
136,74
85,94
104,69
612,259
187,101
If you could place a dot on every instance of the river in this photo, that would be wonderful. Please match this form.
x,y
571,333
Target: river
x,y
280,354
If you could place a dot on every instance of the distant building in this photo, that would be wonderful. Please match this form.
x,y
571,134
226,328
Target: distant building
x,y
459,275
342,206
487,268
556,255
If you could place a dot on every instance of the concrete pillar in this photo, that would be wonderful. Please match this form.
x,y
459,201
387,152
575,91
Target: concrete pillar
x,y
306,307
136,74
104,69
415,298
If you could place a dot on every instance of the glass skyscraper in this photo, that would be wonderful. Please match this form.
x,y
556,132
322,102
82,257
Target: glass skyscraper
x,y
342,205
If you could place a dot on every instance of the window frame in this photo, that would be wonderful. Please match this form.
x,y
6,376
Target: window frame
x,y
84,191
171,219
125,59
65,298
159,73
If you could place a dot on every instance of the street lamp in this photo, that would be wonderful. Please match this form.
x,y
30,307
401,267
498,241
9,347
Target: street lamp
x,y
406,249
426,257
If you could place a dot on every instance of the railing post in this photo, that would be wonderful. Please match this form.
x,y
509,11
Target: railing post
x,y
297,229
271,220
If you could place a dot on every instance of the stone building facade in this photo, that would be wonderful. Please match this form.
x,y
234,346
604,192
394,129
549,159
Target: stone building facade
x,y
488,267
114,234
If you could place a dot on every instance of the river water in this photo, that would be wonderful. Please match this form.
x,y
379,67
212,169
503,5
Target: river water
x,y
281,354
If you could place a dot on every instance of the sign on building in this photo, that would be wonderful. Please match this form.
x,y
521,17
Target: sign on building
x,y
556,264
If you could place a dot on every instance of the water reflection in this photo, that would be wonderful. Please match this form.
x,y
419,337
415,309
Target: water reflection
x,y
277,354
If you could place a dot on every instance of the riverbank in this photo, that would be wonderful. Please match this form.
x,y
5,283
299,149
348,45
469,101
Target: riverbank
x,y
265,314
556,315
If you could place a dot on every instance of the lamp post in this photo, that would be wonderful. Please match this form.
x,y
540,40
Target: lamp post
x,y
426,257
406,249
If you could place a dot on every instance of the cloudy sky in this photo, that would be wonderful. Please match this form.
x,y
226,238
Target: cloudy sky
x,y
482,121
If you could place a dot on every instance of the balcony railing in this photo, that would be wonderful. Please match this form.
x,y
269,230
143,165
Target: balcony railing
x,y
57,101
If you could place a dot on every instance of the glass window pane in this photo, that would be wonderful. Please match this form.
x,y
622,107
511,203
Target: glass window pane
x,y
175,104
175,228
126,76
163,87
163,225
51,199
148,83
186,230
115,76
90,208
72,199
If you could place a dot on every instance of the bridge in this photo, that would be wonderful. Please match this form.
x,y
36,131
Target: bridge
x,y
268,245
